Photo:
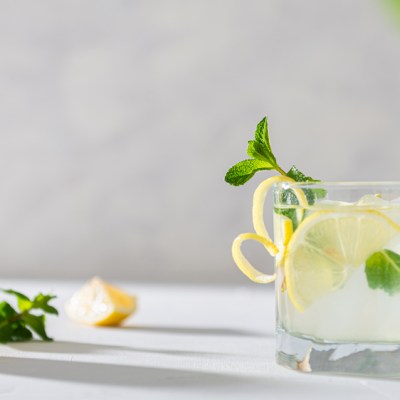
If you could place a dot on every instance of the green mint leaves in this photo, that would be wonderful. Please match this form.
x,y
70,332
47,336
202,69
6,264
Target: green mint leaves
x,y
260,148
262,158
382,268
241,172
383,271
311,194
298,176
17,326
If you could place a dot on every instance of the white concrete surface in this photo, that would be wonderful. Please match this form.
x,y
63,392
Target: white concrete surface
x,y
184,343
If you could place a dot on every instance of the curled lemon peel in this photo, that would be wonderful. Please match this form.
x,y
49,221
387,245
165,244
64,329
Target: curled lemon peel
x,y
244,264
262,236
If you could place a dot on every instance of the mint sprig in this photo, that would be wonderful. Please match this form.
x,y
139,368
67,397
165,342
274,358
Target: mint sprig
x,y
262,158
19,326
382,268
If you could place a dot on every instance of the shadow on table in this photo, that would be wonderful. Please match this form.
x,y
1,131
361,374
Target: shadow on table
x,y
182,330
201,381
111,374
94,348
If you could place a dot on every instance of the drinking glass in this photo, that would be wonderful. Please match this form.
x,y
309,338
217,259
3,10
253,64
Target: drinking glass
x,y
337,274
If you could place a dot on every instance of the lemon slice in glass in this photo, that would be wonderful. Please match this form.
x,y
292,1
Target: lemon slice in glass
x,y
99,303
327,245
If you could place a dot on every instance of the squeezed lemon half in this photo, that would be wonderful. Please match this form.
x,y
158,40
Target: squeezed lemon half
x,y
99,303
326,245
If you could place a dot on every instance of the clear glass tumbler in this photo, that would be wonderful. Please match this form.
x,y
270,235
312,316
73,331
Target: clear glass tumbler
x,y
337,274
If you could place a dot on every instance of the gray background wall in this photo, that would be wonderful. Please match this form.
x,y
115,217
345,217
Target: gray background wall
x,y
118,120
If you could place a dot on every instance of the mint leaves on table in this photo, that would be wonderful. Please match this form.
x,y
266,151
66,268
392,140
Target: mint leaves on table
x,y
18,325
262,158
383,271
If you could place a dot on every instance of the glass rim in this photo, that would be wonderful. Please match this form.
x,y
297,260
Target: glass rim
x,y
338,184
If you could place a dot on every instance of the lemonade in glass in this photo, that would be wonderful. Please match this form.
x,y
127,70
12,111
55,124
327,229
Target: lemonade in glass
x,y
337,267
338,277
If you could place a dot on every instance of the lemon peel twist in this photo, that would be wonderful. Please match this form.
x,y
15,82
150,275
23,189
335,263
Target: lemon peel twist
x,y
262,236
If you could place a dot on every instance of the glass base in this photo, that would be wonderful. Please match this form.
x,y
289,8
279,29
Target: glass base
x,y
358,359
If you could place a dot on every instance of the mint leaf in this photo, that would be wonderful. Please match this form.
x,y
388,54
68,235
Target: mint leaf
x,y
311,194
290,198
298,176
23,301
383,271
15,332
20,333
260,152
6,334
241,172
41,301
261,134
17,326
6,312
37,324
261,146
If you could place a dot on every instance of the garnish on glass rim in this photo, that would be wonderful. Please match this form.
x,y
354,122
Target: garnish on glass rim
x,y
382,267
262,158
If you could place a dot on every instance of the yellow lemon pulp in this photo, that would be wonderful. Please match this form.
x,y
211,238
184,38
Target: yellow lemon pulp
x,y
325,247
99,303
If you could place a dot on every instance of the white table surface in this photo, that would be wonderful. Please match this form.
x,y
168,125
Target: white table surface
x,y
184,342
